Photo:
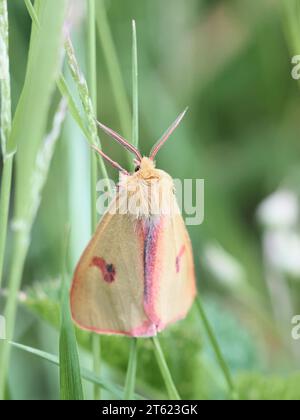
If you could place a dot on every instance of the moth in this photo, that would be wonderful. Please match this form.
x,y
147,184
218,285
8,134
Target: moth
x,y
136,275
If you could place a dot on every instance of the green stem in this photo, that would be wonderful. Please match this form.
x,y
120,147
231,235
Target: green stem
x,y
32,12
37,91
171,388
131,371
5,131
72,106
114,70
21,243
135,92
92,80
4,207
214,343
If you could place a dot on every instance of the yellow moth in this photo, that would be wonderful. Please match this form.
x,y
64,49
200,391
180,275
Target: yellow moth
x,y
136,275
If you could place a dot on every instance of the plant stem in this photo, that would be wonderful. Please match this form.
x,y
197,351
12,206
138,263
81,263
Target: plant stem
x,y
114,69
85,98
72,106
92,80
19,252
5,128
32,12
214,343
22,229
131,371
171,388
4,208
135,92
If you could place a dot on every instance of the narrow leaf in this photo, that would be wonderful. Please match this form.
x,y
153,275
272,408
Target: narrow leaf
x,y
70,376
164,369
86,374
131,371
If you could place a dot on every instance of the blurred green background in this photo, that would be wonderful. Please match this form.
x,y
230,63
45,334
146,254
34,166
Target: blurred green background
x,y
230,62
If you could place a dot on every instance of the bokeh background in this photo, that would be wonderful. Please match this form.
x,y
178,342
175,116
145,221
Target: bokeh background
x,y
230,62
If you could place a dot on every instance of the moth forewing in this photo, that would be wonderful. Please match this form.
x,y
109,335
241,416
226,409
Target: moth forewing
x,y
107,291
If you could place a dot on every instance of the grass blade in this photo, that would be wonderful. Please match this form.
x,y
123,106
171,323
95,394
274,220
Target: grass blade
x,y
135,92
5,130
217,350
5,117
291,12
41,73
131,371
85,98
32,12
69,367
92,81
170,386
86,374
72,107
63,86
4,207
70,377
114,70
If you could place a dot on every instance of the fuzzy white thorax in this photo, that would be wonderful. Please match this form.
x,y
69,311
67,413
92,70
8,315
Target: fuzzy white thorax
x,y
148,192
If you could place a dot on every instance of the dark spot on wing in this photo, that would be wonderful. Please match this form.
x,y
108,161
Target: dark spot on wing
x,y
108,270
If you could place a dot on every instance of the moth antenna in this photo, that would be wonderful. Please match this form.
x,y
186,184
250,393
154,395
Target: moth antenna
x,y
120,140
112,162
158,145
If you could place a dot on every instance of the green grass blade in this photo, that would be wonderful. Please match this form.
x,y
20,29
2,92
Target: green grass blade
x,y
92,82
28,128
291,12
32,12
86,374
131,371
114,70
85,98
5,130
69,367
63,86
135,91
4,207
5,116
74,111
170,386
70,377
214,343
38,179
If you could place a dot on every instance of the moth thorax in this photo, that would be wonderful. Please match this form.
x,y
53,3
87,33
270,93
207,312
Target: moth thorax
x,y
146,197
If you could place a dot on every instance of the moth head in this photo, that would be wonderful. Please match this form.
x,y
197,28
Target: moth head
x,y
146,169
144,166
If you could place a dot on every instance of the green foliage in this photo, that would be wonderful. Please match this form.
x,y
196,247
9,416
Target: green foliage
x,y
255,386
70,376
194,368
86,374
230,62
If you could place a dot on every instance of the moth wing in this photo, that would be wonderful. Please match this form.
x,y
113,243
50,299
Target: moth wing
x,y
108,285
170,277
